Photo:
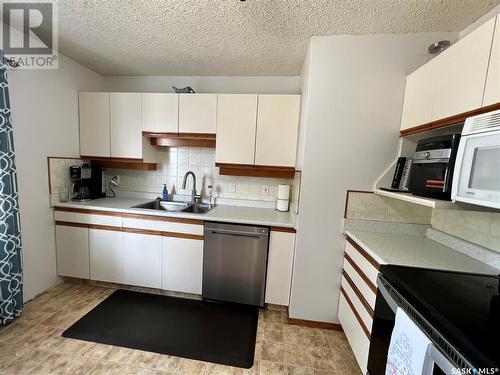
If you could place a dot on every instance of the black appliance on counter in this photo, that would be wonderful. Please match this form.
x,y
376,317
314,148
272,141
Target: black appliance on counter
x,y
459,312
432,168
86,182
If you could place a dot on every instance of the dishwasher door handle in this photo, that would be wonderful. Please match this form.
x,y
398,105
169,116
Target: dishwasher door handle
x,y
239,234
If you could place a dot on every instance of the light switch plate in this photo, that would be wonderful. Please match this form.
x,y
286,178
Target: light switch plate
x,y
232,187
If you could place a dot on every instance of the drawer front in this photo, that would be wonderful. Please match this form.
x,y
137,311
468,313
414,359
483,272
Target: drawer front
x,y
366,267
76,217
361,309
163,226
358,340
366,291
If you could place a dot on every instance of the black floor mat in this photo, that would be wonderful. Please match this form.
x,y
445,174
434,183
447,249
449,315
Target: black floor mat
x,y
202,330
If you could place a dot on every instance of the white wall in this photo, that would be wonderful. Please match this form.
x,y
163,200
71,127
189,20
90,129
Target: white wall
x,y
355,91
204,84
45,122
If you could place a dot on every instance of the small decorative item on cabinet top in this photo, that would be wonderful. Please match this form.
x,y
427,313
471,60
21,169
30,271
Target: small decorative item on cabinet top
x,y
185,90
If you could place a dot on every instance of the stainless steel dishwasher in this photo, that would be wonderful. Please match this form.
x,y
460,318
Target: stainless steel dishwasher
x,y
235,263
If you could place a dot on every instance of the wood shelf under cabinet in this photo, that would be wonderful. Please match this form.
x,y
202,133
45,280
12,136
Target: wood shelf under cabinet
x,y
205,140
256,170
452,120
120,163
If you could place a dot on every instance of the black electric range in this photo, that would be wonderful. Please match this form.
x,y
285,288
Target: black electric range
x,y
464,308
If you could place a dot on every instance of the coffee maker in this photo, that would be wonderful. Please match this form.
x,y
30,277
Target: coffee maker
x,y
86,182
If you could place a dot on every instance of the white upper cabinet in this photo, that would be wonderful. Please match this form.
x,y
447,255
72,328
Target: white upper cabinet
x,y
492,90
126,125
462,73
197,113
419,97
277,127
236,126
94,124
160,112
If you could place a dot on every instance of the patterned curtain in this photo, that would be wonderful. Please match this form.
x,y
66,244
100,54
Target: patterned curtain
x,y
11,297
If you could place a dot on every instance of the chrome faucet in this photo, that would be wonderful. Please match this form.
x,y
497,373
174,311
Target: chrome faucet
x,y
194,197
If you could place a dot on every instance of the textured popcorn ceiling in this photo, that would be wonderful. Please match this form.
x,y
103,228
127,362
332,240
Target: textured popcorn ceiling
x,y
230,37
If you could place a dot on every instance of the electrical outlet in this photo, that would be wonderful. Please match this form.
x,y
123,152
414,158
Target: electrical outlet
x,y
265,190
231,187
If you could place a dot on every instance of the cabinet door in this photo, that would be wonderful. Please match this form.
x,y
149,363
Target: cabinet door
x,y
126,125
279,268
236,125
277,126
462,73
72,247
492,90
419,96
142,259
197,113
160,112
182,265
94,124
106,255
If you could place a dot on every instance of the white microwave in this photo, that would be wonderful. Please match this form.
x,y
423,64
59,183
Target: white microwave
x,y
476,178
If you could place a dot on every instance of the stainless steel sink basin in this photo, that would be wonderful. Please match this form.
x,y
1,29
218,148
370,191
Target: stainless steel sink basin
x,y
196,208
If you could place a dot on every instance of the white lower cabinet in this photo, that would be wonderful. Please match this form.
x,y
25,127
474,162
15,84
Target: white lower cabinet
x,y
72,247
182,265
279,268
142,255
106,255
359,342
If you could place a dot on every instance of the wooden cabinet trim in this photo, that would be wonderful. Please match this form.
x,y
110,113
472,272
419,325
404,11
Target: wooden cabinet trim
x,y
163,218
88,212
314,324
143,231
441,123
205,140
256,170
361,273
283,229
183,235
363,252
356,314
105,227
70,224
358,293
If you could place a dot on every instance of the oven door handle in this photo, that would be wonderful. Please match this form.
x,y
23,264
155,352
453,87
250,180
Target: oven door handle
x,y
381,283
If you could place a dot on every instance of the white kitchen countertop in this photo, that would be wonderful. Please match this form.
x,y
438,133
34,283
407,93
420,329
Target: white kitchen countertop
x,y
416,251
229,214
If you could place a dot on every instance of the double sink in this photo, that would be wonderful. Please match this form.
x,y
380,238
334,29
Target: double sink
x,y
192,208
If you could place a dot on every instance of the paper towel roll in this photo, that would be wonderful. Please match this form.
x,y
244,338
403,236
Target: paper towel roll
x,y
284,192
282,204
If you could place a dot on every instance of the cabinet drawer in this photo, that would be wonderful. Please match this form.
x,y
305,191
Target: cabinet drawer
x,y
367,290
163,226
367,265
76,217
361,309
358,340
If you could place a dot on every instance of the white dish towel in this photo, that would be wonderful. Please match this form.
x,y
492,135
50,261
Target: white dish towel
x,y
408,348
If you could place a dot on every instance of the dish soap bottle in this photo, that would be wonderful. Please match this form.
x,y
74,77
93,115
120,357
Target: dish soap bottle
x,y
165,193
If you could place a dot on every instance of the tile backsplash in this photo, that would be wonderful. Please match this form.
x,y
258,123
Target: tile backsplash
x,y
481,228
369,206
173,163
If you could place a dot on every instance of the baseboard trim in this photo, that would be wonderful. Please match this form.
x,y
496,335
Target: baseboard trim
x,y
315,324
